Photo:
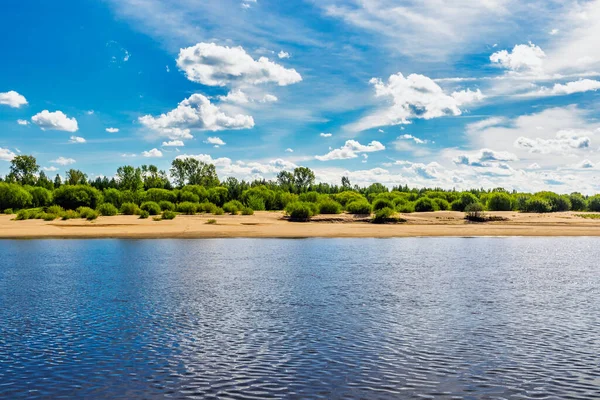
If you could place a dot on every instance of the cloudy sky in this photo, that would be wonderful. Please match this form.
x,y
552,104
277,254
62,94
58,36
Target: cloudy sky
x,y
428,93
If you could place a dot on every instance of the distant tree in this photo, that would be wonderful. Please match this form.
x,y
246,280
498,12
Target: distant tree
x,y
24,169
285,180
303,178
154,178
44,182
130,178
191,171
75,177
346,183
57,181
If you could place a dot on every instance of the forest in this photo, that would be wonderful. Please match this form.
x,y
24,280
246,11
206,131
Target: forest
x,y
192,187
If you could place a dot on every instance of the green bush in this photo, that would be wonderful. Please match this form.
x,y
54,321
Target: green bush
x,y
218,195
41,197
382,203
152,207
594,203
14,196
157,195
70,214
49,217
299,211
233,207
425,204
309,197
256,203
329,206
56,210
22,215
187,208
537,205
166,205
107,210
211,222
383,215
130,209
218,211
348,197
72,197
578,202
92,215
188,197
144,214
168,214
474,212
499,201
359,207
247,211
463,201
84,212
406,208
207,207
557,203
9,211
442,204
114,197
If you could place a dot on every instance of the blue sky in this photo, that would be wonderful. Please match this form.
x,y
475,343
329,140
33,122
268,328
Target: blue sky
x,y
469,94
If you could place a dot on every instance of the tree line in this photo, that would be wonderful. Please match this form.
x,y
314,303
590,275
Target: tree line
x,y
193,186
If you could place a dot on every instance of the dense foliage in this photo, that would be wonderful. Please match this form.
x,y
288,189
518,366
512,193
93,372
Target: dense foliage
x,y
196,188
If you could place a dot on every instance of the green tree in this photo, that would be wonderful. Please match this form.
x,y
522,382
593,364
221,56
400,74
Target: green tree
x,y
303,178
130,178
24,169
346,183
75,177
57,181
191,171
154,178
44,182
285,180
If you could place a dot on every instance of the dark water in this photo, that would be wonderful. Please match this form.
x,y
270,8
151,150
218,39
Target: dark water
x,y
408,318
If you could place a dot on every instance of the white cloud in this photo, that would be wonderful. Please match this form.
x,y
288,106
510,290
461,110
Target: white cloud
x,y
214,65
215,140
76,139
90,112
12,99
173,143
269,98
485,158
167,68
154,153
63,161
415,96
413,138
566,141
112,130
50,169
580,86
128,155
6,154
554,32
351,149
288,150
534,166
22,122
283,54
235,96
326,135
465,97
585,164
196,112
57,121
522,58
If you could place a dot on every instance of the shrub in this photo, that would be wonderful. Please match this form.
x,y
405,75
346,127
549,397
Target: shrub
x,y
156,195
70,214
218,211
384,215
107,210
474,212
299,211
22,215
233,207
187,208
188,193
520,203
382,203
40,197
578,202
71,197
406,208
152,207
207,207
499,202
49,217
188,197
557,203
130,209
144,214
309,197
442,204
14,196
84,212
218,195
594,203
92,215
56,210
256,203
166,205
282,199
211,222
348,197
9,211
537,205
330,207
247,211
463,201
359,207
168,214
114,197
425,204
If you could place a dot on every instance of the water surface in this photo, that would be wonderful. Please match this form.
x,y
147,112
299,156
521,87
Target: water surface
x,y
317,318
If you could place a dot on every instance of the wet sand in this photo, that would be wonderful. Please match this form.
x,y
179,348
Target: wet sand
x,y
274,225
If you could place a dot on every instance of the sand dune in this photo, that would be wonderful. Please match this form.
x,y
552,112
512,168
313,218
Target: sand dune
x,y
273,225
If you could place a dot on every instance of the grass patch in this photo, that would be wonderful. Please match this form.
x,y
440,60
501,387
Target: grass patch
x,y
588,216
211,222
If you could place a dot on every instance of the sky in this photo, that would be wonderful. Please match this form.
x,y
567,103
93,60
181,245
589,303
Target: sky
x,y
429,93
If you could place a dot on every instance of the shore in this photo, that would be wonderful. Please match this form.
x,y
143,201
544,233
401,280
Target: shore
x,y
273,225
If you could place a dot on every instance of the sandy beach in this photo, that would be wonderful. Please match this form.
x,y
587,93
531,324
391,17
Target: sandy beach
x,y
273,225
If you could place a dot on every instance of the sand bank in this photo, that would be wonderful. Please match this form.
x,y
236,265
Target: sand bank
x,y
273,225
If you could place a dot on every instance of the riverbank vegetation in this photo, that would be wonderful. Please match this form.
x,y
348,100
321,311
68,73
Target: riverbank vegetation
x,y
194,187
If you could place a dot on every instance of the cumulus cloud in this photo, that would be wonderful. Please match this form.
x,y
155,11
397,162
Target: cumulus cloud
x,y
523,58
414,96
413,138
351,149
245,170
12,99
283,54
173,143
63,161
288,150
196,112
112,130
485,158
217,141
580,86
269,98
6,154
154,153
214,65
235,96
565,142
22,122
76,139
326,135
56,121
50,169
